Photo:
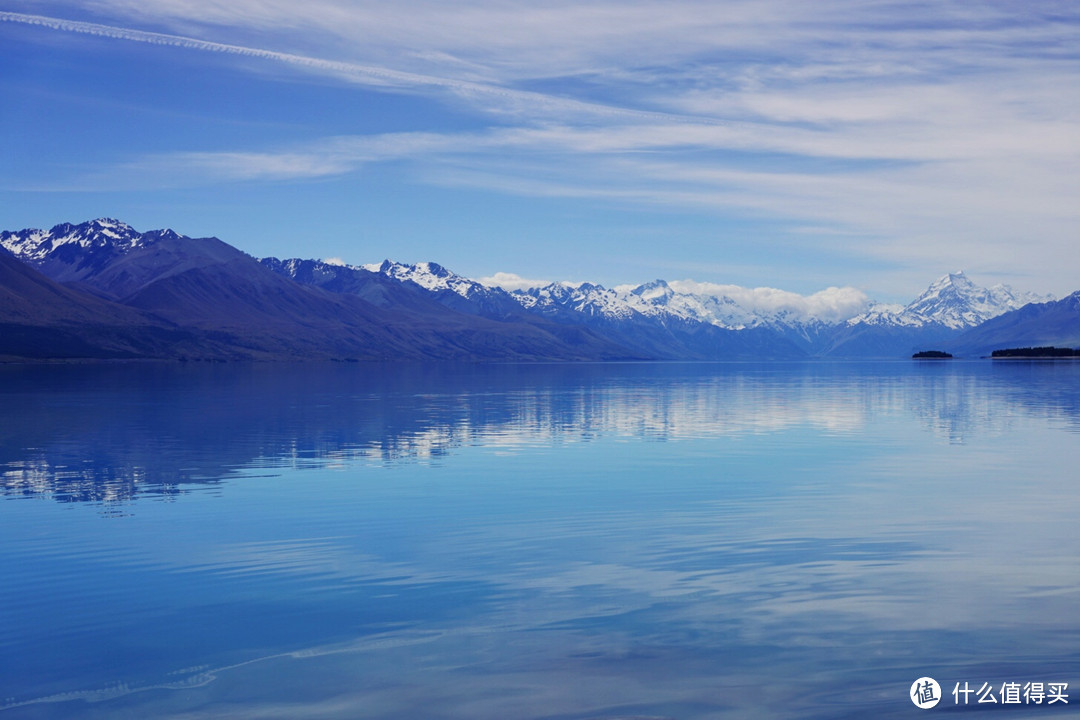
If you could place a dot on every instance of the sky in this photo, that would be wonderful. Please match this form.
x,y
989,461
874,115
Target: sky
x,y
859,144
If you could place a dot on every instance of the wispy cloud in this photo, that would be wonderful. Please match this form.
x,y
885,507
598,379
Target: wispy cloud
x,y
909,132
486,97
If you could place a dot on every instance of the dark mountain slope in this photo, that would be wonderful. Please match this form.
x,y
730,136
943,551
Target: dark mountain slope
x,y
375,288
490,311
877,341
1055,323
264,311
40,318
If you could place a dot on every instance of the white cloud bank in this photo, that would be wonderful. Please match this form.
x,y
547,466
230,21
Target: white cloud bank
x,y
833,304
511,281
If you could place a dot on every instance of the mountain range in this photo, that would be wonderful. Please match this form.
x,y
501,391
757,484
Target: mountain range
x,y
100,290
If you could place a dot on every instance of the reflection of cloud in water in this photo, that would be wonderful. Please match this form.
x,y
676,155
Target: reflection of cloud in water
x,y
193,678
153,430
816,593
318,562
868,521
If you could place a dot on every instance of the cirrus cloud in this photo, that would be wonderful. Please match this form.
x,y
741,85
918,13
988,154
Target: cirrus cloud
x,y
910,135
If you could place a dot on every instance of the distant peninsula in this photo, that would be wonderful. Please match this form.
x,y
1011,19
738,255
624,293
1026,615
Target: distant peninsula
x,y
1036,352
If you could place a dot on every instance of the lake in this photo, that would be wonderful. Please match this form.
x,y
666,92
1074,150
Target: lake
x,y
728,540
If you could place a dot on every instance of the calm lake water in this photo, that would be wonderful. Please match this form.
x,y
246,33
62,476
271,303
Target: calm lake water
x,y
543,541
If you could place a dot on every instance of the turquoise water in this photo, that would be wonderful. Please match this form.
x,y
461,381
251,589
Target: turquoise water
x,y
543,541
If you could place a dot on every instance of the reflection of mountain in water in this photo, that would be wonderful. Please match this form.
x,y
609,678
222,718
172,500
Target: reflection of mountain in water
x,y
107,433
956,407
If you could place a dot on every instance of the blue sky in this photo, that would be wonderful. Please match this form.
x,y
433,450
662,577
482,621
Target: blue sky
x,y
776,143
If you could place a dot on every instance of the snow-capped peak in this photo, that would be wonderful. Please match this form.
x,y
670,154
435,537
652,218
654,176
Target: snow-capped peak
x,y
166,234
726,306
588,299
955,279
377,267
430,276
653,291
37,246
952,301
112,228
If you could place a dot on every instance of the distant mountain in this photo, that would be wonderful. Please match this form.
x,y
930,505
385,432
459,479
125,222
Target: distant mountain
x,y
202,284
713,306
588,312
1054,323
659,299
248,310
664,322
656,299
951,305
437,302
576,315
660,332
451,289
69,253
372,287
953,302
166,295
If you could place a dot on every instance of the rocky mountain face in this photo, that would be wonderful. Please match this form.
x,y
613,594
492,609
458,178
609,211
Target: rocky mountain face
x,y
167,295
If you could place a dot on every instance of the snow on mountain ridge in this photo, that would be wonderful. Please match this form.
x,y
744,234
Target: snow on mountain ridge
x,y
587,298
658,297
432,277
655,300
36,245
736,307
320,269
951,301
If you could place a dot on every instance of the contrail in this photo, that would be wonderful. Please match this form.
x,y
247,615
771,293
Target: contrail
x,y
359,74
376,75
